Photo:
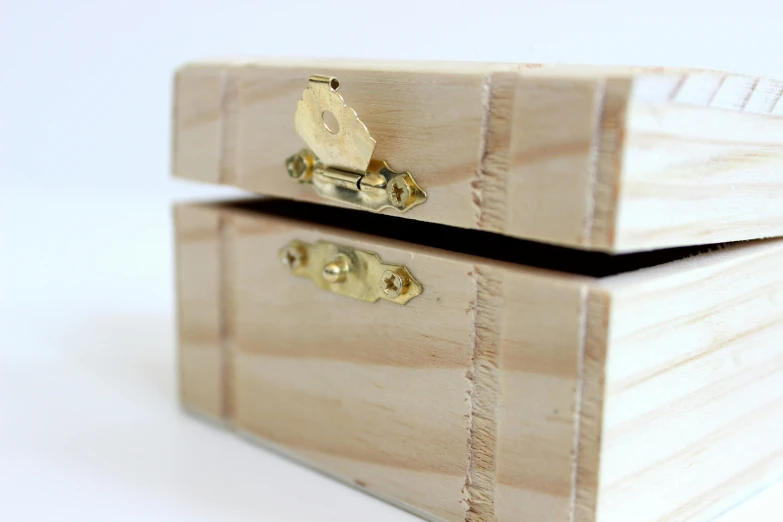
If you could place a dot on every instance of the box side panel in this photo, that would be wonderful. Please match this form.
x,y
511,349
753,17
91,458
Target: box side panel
x,y
703,162
694,386
199,308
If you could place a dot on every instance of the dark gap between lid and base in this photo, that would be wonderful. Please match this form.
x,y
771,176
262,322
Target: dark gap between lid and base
x,y
479,243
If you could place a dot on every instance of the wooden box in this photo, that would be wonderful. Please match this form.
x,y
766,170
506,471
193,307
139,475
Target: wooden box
x,y
506,380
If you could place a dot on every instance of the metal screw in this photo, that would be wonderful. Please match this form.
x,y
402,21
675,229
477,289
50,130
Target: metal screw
x,y
293,256
399,191
391,284
300,166
296,166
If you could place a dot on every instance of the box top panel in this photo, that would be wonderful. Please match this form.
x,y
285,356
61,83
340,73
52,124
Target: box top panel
x,y
614,159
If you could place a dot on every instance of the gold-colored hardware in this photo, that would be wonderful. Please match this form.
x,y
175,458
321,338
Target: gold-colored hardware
x,y
391,284
336,270
349,272
293,256
339,160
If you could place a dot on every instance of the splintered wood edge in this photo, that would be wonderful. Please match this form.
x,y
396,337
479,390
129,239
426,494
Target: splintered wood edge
x,y
485,387
590,394
605,175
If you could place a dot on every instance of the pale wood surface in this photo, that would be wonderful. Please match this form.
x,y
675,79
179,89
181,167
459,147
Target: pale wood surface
x,y
603,158
502,392
542,337
199,302
404,401
715,179
693,407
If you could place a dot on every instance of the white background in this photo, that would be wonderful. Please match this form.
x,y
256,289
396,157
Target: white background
x,y
89,426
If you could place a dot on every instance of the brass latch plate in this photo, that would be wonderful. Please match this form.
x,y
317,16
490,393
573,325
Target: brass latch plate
x,y
350,272
339,162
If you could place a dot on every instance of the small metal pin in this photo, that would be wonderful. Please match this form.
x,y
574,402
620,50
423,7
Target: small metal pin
x,y
336,270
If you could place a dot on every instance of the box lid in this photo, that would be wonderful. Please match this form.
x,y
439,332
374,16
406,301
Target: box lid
x,y
601,158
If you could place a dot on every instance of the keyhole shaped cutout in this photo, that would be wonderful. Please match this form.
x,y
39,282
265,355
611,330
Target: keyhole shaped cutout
x,y
330,122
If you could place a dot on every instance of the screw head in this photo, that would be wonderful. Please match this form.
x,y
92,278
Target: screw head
x,y
296,165
399,191
391,284
293,256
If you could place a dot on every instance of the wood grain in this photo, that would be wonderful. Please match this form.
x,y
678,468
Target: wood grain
x,y
199,303
502,392
405,402
718,181
546,156
602,158
538,420
590,398
694,386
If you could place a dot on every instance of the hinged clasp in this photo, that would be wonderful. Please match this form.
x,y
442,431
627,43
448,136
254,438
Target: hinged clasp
x,y
353,273
339,162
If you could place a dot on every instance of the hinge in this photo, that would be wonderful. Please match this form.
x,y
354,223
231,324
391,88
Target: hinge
x,y
339,161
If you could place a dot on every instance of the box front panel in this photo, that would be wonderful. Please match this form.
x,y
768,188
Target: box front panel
x,y
460,405
374,392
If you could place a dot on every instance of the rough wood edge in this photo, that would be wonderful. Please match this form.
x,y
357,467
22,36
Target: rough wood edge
x,y
489,186
484,393
591,397
578,394
592,175
606,175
